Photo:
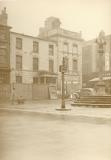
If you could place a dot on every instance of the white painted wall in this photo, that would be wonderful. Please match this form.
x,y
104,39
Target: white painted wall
x,y
27,57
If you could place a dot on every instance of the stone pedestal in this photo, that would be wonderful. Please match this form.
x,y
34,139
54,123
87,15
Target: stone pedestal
x,y
100,90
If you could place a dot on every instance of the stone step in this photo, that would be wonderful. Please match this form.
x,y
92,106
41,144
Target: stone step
x,y
92,105
94,102
96,97
93,99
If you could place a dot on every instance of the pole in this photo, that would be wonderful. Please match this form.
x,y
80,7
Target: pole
x,y
63,108
63,98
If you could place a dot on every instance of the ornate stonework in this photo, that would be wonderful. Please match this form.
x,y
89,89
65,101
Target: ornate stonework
x,y
101,42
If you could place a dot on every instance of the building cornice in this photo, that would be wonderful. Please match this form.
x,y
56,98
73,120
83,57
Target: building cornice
x,y
63,36
33,37
5,26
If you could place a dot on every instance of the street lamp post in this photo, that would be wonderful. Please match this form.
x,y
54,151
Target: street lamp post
x,y
101,43
13,93
63,69
63,91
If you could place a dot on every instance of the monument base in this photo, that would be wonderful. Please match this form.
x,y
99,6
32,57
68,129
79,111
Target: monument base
x,y
63,109
100,90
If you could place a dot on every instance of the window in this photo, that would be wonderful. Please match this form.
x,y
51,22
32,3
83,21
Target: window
x,y
75,66
75,49
65,47
42,80
50,80
3,58
18,79
51,65
35,64
35,80
4,77
18,62
35,47
19,43
51,50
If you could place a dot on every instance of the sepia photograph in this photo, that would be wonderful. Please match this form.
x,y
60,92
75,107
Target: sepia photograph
x,y
55,79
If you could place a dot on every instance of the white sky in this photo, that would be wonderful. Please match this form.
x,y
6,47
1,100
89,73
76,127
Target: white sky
x,y
88,16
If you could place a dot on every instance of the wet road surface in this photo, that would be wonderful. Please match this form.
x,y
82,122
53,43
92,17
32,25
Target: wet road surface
x,y
35,137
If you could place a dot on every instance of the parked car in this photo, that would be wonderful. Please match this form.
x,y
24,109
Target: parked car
x,y
87,92
82,92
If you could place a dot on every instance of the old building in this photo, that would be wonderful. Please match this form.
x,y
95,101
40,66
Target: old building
x,y
33,65
4,56
28,65
69,45
90,63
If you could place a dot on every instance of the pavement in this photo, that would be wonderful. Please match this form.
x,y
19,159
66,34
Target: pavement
x,y
50,108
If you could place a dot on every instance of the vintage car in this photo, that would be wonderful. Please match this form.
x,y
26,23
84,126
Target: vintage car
x,y
87,92
83,92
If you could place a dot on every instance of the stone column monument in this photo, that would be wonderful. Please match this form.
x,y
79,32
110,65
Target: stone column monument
x,y
101,42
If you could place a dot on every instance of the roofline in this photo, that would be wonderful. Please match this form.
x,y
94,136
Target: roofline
x,y
38,38
59,35
71,31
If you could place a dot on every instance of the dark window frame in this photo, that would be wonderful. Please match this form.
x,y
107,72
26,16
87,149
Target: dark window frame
x,y
18,62
35,80
35,47
65,47
75,65
19,79
19,42
75,49
35,64
51,65
51,49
